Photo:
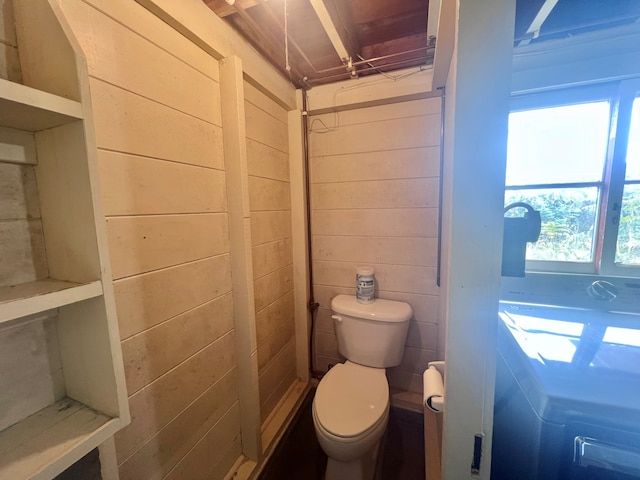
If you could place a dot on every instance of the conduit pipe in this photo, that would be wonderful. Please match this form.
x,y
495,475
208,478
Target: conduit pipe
x,y
312,305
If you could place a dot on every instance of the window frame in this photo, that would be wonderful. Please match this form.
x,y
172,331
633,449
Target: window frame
x,y
620,95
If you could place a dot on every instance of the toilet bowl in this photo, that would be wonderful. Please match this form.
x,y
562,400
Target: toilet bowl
x,y
350,415
351,405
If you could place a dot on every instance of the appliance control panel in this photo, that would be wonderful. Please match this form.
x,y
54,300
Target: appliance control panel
x,y
578,291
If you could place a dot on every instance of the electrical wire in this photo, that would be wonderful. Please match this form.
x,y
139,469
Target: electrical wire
x,y
287,66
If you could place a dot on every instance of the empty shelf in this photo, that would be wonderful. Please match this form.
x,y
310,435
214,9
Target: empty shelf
x,y
29,109
35,297
47,442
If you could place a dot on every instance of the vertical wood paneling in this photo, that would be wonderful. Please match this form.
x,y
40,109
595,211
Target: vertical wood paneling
x,y
374,198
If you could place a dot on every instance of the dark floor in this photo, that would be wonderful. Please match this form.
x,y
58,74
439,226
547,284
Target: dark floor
x,y
299,456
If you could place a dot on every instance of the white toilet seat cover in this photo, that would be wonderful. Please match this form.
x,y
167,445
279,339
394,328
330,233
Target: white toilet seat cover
x,y
351,399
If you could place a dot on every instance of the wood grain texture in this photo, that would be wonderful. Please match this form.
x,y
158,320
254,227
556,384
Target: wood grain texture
x,y
146,300
404,193
406,163
276,379
23,252
412,132
29,298
165,449
128,123
206,454
264,103
159,33
272,256
10,63
266,129
153,407
18,192
375,195
68,219
143,186
267,162
153,352
387,222
272,345
145,243
393,278
267,194
143,68
17,146
268,319
390,111
272,286
373,250
30,370
37,447
7,23
270,226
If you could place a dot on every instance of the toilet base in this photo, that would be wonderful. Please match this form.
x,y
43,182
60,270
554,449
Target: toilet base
x,y
362,468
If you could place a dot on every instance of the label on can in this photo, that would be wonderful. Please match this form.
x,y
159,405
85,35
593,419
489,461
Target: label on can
x,y
365,287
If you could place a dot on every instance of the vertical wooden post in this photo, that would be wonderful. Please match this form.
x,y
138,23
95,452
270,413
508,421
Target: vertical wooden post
x,y
237,180
476,116
299,221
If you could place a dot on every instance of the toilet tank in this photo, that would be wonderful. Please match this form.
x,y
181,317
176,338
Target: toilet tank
x,y
371,334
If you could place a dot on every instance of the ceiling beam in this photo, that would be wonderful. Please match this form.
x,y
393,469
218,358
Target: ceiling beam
x,y
536,24
445,40
332,32
224,9
343,21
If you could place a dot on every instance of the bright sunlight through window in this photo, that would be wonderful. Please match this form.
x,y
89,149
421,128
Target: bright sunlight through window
x,y
574,155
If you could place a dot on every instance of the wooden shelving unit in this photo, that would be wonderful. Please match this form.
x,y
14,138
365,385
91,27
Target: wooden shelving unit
x,y
41,295
55,278
32,110
34,447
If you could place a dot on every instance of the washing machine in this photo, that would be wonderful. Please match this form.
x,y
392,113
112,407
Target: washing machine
x,y
567,403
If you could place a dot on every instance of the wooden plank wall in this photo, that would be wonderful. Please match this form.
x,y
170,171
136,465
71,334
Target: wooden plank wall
x,y
270,204
158,127
374,197
9,59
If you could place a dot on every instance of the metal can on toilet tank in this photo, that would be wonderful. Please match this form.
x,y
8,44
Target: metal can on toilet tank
x,y
365,284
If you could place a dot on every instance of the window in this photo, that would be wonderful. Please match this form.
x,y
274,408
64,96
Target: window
x,y
575,156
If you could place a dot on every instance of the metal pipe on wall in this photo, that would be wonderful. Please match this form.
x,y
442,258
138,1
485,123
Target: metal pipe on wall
x,y
312,305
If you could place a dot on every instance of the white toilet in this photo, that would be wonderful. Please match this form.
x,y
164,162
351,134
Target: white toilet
x,y
351,405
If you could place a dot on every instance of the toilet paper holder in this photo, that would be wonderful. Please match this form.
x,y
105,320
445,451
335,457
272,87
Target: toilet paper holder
x,y
433,386
433,401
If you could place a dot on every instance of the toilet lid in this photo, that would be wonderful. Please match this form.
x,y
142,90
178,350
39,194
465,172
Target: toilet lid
x,y
351,399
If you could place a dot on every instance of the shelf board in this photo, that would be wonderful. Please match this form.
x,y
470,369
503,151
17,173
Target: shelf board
x,y
47,442
26,108
35,297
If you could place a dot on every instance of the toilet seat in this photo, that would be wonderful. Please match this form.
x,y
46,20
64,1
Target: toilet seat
x,y
351,399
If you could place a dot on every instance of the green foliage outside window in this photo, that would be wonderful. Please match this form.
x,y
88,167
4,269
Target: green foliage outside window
x,y
628,251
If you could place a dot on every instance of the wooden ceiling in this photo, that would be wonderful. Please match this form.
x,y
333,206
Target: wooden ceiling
x,y
378,35
325,41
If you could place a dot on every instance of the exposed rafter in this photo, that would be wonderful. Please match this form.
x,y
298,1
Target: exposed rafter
x,y
539,19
